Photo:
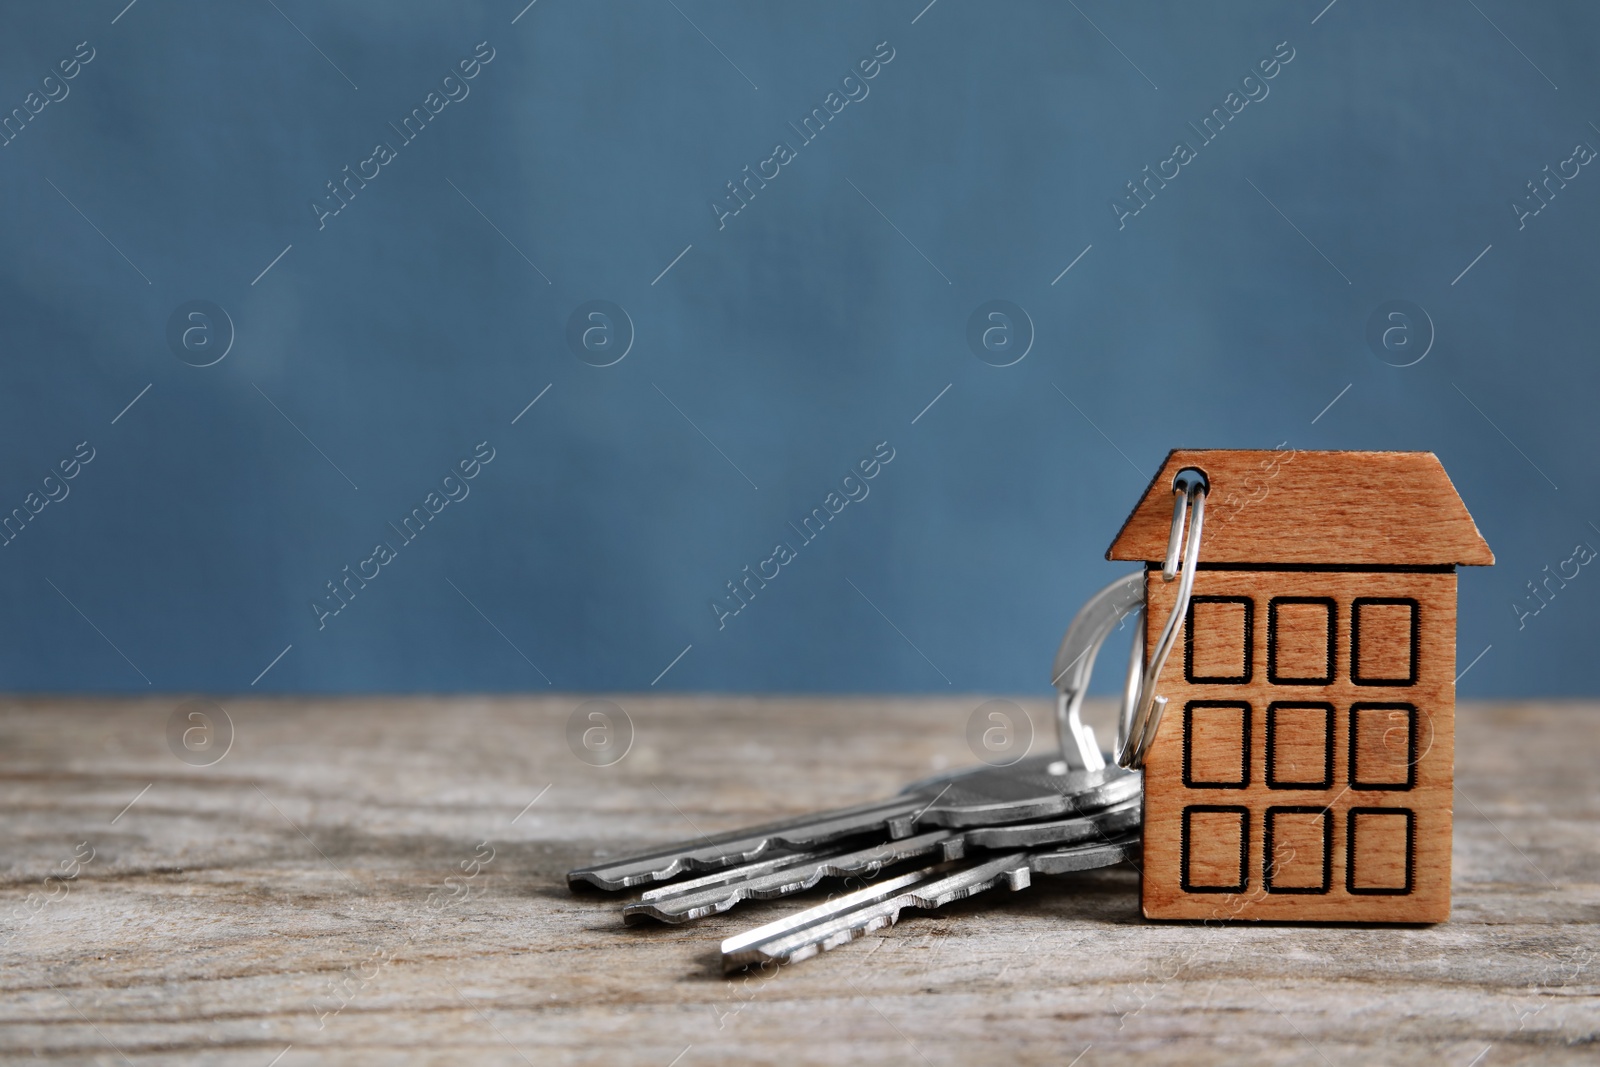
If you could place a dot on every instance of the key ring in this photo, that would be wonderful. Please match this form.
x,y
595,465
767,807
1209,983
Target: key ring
x,y
1141,711
1074,664
1138,732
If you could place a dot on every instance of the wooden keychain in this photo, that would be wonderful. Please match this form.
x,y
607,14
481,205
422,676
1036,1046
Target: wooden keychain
x,y
1305,769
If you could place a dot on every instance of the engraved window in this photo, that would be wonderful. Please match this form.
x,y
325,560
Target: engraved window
x,y
1217,639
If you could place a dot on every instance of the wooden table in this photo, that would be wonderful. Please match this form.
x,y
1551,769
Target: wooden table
x,y
316,891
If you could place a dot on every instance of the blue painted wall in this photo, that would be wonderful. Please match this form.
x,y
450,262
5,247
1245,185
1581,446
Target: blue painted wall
x,y
383,338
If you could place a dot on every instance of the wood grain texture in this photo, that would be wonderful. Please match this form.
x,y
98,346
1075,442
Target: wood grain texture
x,y
222,910
1388,698
1300,640
1267,506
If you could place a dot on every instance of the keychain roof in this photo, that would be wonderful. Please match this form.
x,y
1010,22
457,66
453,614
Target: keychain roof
x,y
1290,507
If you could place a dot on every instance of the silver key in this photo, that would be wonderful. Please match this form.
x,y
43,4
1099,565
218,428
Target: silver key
x,y
1096,826
730,874
979,796
1038,787
694,900
744,846
775,878
1032,788
838,922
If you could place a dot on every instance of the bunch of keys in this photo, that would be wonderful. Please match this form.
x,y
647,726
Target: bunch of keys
x,y
1360,618
941,839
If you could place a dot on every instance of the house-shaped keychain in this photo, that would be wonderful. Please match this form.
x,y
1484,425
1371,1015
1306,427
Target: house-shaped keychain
x,y
1303,767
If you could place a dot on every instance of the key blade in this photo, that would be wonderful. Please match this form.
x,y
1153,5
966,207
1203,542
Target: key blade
x,y
1025,791
730,874
697,899
741,944
737,847
841,921
1099,826
1087,857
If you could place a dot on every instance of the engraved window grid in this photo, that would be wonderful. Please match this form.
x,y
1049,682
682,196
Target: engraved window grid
x,y
1413,725
1326,781
1245,716
1326,678
1410,853
1268,860
1248,638
1244,847
1355,639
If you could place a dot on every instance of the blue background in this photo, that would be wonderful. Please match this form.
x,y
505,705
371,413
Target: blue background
x,y
804,331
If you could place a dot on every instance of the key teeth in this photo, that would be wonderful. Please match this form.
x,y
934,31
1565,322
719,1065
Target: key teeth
x,y
592,877
577,880
632,914
678,865
738,961
713,854
1017,875
638,914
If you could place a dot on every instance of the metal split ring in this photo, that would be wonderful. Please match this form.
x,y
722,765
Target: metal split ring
x,y
1074,663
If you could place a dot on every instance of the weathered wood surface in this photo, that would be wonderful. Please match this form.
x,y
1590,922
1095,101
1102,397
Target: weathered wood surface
x,y
220,911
